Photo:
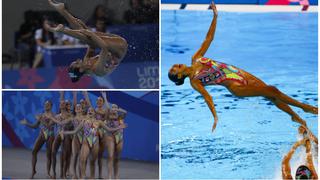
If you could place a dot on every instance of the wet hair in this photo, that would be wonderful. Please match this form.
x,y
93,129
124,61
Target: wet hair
x,y
75,74
303,172
175,79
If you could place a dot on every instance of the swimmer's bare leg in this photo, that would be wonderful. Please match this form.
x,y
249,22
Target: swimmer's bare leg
x,y
74,23
37,146
114,44
73,33
270,92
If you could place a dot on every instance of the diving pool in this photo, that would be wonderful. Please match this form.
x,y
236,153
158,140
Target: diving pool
x,y
252,135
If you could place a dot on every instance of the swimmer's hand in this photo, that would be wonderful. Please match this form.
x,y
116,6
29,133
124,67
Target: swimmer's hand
x,y
61,134
39,116
122,126
214,124
23,122
214,8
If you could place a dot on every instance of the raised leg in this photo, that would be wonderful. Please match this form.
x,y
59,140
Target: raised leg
x,y
74,23
37,146
111,148
55,148
117,155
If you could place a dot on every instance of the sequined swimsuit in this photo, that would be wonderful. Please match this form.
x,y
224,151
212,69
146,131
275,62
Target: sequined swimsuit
x,y
76,123
90,133
46,130
100,117
117,134
215,72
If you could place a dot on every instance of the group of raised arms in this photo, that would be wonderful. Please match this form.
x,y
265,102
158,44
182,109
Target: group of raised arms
x,y
82,131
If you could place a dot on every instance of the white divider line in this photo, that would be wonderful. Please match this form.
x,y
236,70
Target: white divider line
x,y
243,8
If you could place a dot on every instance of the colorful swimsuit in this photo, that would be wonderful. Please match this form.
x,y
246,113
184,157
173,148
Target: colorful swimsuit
x,y
90,133
47,131
216,72
101,117
118,135
76,123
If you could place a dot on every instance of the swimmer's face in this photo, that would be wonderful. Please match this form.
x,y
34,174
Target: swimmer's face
x,y
114,107
47,105
177,74
177,69
100,102
78,108
62,105
68,105
91,112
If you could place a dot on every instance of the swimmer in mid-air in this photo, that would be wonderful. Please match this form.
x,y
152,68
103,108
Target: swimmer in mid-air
x,y
113,47
306,171
204,72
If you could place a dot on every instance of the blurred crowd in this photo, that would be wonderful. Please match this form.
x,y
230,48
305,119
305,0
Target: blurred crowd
x,y
32,36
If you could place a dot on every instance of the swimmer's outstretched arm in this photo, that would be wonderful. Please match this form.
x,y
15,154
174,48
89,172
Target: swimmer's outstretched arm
x,y
102,125
310,160
74,94
196,84
61,96
104,95
210,35
64,122
286,169
33,126
79,127
86,96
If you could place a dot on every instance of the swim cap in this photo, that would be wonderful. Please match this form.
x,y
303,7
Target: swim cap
x,y
303,172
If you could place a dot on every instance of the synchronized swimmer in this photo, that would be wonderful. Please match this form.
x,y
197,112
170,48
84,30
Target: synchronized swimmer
x,y
91,133
113,47
205,72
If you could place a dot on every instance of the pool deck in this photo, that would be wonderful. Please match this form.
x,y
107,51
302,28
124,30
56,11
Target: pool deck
x,y
16,164
242,8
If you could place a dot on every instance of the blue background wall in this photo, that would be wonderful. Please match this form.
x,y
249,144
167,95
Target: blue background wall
x,y
141,138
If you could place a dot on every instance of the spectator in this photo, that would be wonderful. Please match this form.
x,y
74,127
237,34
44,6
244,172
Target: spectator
x,y
99,12
100,25
142,12
43,38
25,41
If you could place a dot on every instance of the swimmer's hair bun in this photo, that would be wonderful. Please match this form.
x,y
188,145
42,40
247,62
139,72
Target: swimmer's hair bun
x,y
175,79
303,172
75,74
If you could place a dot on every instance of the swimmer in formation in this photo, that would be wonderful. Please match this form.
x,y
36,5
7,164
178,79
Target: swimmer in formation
x,y
82,132
206,72
307,170
113,47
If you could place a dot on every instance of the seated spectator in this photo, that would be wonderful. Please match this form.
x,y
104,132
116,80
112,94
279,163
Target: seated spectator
x,y
43,38
142,12
99,13
100,25
25,41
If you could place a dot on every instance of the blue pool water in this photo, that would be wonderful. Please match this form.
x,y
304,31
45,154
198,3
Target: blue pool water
x,y
252,135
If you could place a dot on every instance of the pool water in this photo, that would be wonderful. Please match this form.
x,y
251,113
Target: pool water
x,y
252,135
